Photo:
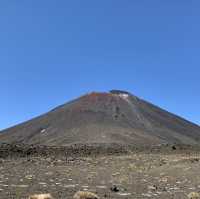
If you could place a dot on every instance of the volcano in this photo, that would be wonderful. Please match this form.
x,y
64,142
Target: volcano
x,y
105,118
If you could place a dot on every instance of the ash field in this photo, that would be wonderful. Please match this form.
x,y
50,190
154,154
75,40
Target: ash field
x,y
113,144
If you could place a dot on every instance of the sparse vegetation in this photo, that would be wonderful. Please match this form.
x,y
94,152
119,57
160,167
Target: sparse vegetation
x,y
194,195
41,196
85,195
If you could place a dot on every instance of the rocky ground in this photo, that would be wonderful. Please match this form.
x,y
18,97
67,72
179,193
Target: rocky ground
x,y
132,175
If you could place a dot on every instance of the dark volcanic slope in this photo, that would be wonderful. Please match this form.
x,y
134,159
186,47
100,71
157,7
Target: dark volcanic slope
x,y
115,117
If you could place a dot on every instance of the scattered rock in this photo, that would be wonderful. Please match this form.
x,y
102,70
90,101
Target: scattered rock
x,y
85,195
114,188
70,159
193,160
101,186
29,177
173,147
147,195
115,174
153,188
124,194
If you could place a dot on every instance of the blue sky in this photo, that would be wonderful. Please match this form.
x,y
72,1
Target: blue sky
x,y
54,51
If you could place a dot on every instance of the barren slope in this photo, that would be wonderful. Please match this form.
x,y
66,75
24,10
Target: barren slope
x,y
114,117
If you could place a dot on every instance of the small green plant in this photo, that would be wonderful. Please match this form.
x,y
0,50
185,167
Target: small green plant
x,y
18,193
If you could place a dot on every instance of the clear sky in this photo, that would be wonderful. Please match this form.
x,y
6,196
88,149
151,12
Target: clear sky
x,y
52,51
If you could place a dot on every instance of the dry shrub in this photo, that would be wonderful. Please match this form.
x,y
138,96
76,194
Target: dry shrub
x,y
41,196
85,195
194,195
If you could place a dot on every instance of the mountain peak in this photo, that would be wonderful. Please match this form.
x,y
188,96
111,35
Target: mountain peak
x,y
118,92
104,117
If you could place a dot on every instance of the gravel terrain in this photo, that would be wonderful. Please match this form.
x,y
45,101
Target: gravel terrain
x,y
162,175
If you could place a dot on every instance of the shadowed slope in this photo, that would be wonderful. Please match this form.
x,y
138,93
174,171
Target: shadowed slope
x,y
115,117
